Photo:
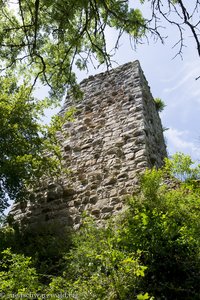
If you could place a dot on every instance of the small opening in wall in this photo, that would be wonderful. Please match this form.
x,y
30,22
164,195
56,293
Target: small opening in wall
x,y
153,161
131,98
88,108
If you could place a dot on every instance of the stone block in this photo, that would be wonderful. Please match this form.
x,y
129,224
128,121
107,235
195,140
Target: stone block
x,y
110,180
141,152
130,156
113,192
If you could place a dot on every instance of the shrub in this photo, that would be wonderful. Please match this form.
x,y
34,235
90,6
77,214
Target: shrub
x,y
98,268
164,225
160,105
17,276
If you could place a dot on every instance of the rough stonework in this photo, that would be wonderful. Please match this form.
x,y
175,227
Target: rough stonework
x,y
116,135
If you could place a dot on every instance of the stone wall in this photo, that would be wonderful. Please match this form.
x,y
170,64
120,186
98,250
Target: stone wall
x,y
117,133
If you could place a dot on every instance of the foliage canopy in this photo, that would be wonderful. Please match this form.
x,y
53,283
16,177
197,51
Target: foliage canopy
x,y
46,38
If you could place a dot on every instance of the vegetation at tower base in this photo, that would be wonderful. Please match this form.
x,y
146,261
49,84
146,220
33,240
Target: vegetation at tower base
x,y
164,225
150,250
24,141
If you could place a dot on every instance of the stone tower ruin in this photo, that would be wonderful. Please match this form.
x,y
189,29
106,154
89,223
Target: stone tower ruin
x,y
117,133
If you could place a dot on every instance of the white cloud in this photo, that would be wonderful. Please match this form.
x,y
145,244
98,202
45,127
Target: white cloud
x,y
186,79
178,141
